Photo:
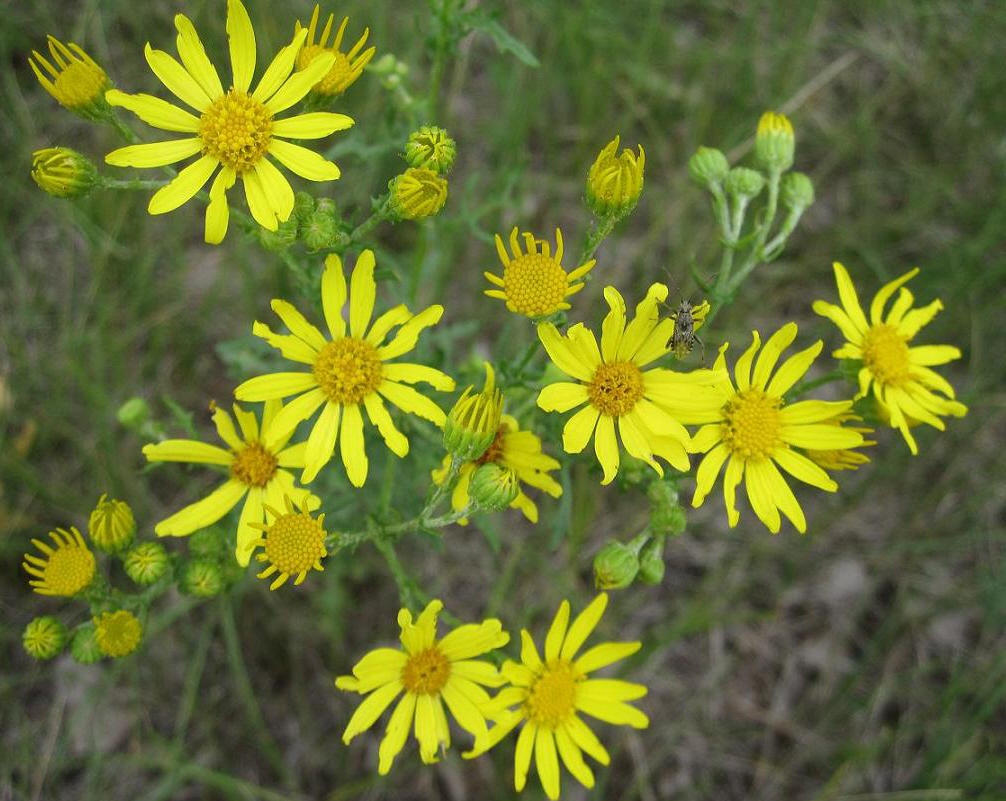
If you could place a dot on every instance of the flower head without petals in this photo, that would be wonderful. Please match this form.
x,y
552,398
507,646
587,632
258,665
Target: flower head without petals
x,y
549,691
257,459
351,372
427,673
755,432
647,407
237,130
534,282
907,391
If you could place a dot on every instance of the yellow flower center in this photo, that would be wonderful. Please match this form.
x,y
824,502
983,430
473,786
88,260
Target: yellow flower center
x,y
427,672
535,284
294,543
68,570
79,84
337,79
751,424
117,633
494,453
348,370
885,353
254,465
551,699
236,129
615,388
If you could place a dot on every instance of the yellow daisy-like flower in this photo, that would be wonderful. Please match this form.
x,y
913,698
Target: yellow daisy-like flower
x,y
517,450
534,283
293,545
648,407
236,130
428,673
549,692
256,459
754,431
348,373
64,570
117,633
346,68
907,391
76,81
846,458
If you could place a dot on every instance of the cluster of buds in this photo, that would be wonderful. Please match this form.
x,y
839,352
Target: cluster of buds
x,y
316,223
421,190
615,181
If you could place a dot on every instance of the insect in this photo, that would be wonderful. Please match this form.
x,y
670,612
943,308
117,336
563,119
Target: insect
x,y
684,338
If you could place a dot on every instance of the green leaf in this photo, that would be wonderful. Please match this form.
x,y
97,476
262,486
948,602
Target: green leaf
x,y
481,21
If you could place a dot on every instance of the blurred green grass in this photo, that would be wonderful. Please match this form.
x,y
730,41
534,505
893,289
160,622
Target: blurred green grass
x,y
863,661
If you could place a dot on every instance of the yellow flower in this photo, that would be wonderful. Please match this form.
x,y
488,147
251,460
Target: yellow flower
x,y
549,692
255,458
77,82
235,130
648,407
615,182
63,172
293,545
430,673
846,458
417,193
111,525
474,421
347,66
348,373
907,391
753,430
64,570
511,448
117,633
534,283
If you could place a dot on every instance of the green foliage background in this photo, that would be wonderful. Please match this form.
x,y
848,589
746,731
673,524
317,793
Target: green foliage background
x,y
863,661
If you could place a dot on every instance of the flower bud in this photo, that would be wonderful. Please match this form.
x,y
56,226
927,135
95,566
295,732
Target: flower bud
x,y
283,237
615,182
76,81
111,525
744,183
774,142
44,638
63,172
134,413
207,542
146,563
202,578
615,566
84,647
431,147
303,205
320,230
493,487
651,561
417,193
708,167
117,633
796,191
472,424
667,516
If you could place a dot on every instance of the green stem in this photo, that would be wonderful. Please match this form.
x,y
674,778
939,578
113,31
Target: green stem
x,y
595,237
757,253
804,387
242,683
115,183
122,129
364,228
406,587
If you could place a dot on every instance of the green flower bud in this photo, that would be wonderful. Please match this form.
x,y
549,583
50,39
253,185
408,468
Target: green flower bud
x,y
651,561
134,413
667,517
44,638
615,182
473,422
417,193
84,646
320,230
303,205
774,142
111,525
146,563
796,191
207,542
708,167
283,237
493,487
202,578
744,183
615,566
431,147
63,172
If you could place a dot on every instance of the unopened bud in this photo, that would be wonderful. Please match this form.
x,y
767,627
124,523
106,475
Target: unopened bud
x,y
44,638
473,422
84,647
63,172
651,561
774,142
615,181
493,487
146,563
202,578
796,191
744,183
615,566
417,193
111,525
431,147
708,167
